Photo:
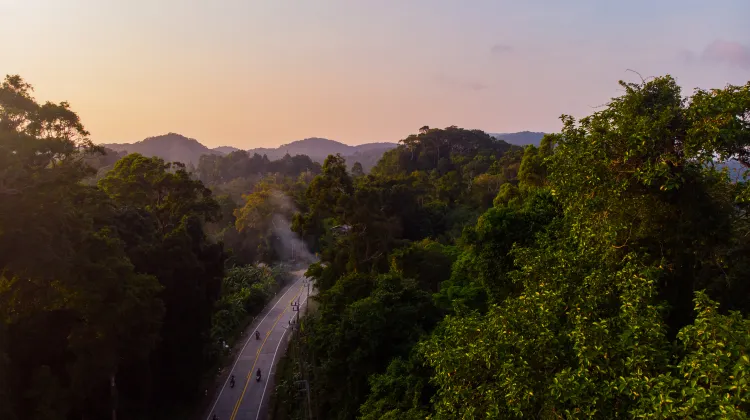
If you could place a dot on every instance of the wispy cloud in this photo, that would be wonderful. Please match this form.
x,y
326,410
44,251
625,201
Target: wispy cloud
x,y
720,52
499,49
727,52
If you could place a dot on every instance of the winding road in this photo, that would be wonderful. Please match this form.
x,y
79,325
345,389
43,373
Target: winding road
x,y
248,399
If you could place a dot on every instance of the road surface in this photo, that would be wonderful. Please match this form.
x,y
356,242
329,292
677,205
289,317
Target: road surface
x,y
248,400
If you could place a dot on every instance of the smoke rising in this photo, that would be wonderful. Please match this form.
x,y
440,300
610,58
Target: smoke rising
x,y
287,244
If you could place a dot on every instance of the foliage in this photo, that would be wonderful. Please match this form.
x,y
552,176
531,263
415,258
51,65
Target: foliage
x,y
606,280
73,309
363,322
245,291
217,170
378,264
601,274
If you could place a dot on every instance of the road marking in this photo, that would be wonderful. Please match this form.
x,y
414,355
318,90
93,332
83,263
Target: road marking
x,y
273,360
243,349
257,355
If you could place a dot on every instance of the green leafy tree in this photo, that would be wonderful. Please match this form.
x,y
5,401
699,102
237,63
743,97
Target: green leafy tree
x,y
162,212
588,329
357,170
72,307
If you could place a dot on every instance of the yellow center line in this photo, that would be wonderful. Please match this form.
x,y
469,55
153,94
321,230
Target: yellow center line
x,y
257,355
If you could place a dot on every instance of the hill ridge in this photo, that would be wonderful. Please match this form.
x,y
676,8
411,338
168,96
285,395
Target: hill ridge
x,y
177,147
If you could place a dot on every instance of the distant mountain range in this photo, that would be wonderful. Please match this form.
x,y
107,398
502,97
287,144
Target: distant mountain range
x,y
176,147
319,148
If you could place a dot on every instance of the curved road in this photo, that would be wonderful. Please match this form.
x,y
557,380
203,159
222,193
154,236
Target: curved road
x,y
246,400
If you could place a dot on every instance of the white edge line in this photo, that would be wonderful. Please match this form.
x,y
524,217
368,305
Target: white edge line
x,y
260,406
216,401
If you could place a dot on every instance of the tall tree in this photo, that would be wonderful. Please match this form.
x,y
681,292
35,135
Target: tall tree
x,y
72,307
162,212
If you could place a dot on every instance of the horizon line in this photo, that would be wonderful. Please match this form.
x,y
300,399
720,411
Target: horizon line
x,y
100,143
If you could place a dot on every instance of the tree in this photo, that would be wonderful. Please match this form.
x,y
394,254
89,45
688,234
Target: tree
x,y
598,297
363,322
601,284
72,307
162,212
357,170
163,189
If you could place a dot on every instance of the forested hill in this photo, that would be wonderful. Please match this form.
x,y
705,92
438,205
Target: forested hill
x,y
320,148
601,274
171,147
177,148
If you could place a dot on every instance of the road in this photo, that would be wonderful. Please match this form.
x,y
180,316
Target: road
x,y
248,400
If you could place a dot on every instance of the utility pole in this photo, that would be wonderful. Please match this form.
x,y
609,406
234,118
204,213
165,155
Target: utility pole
x,y
113,394
295,308
298,352
307,391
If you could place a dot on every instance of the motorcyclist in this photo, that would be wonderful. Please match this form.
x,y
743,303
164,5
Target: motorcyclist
x,y
257,335
257,375
215,417
231,381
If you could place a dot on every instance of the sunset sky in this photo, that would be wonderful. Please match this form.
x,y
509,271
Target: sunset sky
x,y
254,73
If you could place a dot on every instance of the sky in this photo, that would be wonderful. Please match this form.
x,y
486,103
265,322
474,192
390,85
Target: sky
x,y
260,73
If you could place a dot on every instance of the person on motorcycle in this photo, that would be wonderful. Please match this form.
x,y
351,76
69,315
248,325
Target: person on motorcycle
x,y
231,381
257,375
215,417
257,335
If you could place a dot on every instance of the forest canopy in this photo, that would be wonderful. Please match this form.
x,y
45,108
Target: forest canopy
x,y
114,281
600,274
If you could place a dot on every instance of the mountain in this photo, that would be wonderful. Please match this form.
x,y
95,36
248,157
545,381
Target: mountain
x,y
522,138
319,148
171,147
175,147
225,150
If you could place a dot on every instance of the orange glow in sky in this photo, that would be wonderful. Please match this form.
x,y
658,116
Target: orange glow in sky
x,y
258,73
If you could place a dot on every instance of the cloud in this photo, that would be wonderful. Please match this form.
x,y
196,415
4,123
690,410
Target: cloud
x,y
501,49
732,53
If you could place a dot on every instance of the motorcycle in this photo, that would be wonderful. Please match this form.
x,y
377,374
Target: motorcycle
x,y
257,376
231,382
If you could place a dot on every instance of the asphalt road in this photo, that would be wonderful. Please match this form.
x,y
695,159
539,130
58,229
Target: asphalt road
x,y
248,400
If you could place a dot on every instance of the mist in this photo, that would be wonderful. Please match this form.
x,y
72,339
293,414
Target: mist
x,y
287,244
